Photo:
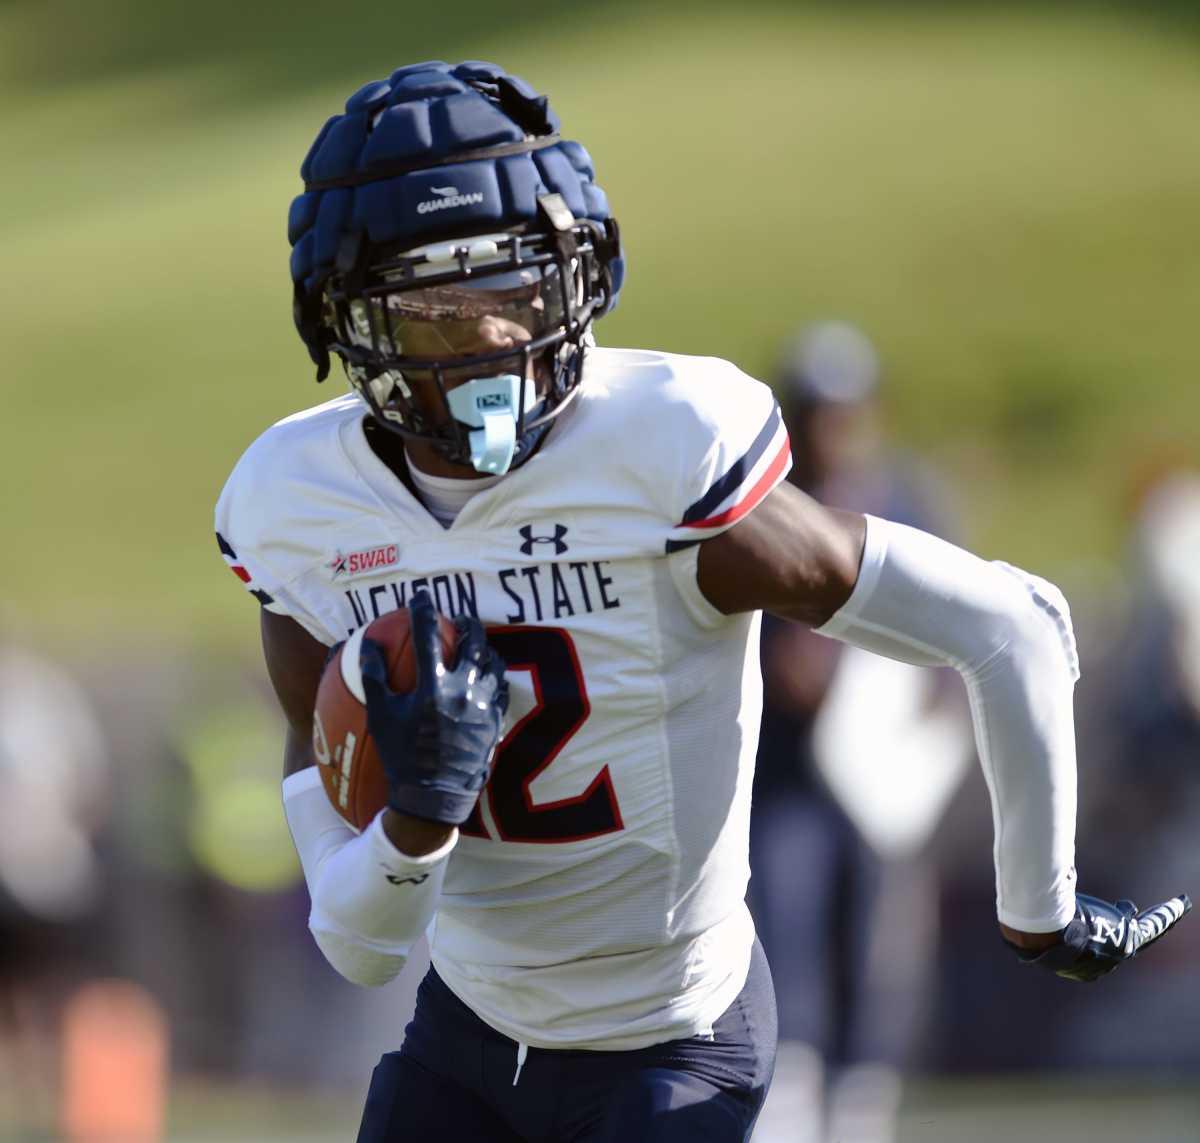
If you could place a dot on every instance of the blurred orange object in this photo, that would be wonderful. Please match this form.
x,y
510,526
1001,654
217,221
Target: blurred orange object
x,y
114,1065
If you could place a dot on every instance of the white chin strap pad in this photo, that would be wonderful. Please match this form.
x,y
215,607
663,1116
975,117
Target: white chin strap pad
x,y
488,406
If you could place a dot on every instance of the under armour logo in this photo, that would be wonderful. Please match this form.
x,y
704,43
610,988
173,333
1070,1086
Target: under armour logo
x,y
407,880
530,539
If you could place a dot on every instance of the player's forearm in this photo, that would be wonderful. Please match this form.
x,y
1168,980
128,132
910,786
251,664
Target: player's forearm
x,y
1030,942
922,600
370,902
415,837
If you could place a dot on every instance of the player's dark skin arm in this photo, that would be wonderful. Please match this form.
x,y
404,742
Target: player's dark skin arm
x,y
799,560
295,661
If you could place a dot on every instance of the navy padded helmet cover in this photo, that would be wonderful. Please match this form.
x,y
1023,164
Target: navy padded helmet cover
x,y
430,109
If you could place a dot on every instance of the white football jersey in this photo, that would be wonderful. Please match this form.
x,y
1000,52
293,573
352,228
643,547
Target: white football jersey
x,y
595,897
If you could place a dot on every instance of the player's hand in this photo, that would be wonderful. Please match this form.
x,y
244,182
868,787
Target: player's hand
x,y
436,744
1102,936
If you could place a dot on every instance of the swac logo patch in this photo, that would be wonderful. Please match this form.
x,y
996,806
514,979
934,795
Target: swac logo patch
x,y
530,539
344,566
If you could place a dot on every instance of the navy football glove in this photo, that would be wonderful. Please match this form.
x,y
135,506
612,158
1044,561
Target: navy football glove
x,y
1102,936
437,743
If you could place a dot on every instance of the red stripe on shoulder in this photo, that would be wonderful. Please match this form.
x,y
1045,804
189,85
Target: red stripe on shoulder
x,y
761,487
240,572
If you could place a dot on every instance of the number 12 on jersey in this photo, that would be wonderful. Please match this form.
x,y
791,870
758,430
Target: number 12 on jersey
x,y
533,742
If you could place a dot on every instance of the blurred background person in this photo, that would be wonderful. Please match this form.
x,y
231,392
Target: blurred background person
x,y
1148,719
55,778
1138,724
1141,733
858,758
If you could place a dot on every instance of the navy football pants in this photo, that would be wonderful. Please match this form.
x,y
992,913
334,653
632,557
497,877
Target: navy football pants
x,y
453,1080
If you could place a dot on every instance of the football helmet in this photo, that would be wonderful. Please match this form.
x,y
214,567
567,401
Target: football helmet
x,y
453,251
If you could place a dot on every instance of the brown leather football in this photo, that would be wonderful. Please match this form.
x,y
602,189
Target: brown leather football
x,y
348,763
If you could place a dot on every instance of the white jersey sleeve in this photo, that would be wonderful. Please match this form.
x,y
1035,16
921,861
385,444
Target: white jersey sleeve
x,y
278,497
732,450
240,543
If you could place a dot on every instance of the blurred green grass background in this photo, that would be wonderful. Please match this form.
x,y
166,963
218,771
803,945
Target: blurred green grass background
x,y
1069,1110
1004,197
1065,1110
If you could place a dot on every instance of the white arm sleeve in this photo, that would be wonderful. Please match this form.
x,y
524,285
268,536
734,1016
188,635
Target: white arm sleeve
x,y
921,600
370,902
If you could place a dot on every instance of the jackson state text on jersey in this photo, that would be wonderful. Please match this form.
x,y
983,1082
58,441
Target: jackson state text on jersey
x,y
595,898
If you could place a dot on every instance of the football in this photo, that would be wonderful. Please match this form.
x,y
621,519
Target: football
x,y
347,761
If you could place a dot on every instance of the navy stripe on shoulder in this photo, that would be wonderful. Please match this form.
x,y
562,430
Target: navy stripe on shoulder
x,y
224,545
261,596
679,545
726,485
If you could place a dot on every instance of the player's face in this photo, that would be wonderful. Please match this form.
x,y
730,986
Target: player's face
x,y
490,314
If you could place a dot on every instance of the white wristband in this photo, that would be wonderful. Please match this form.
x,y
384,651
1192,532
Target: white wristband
x,y
921,600
370,902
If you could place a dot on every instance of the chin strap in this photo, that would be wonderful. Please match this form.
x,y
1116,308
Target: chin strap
x,y
489,407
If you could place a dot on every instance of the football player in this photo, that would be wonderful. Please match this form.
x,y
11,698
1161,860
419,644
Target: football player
x,y
606,527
